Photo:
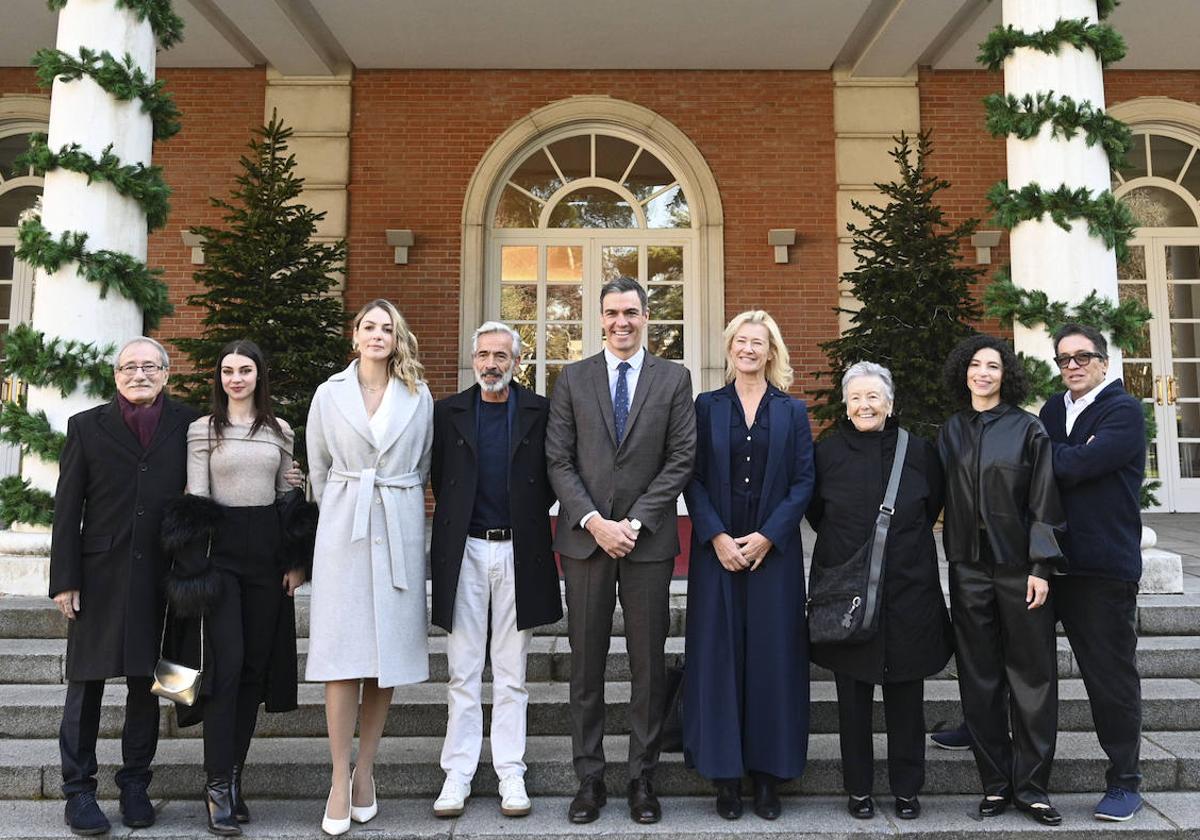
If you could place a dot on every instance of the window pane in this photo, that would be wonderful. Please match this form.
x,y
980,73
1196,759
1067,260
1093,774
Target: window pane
x,y
618,261
564,341
1138,292
1139,381
1167,156
518,264
612,156
666,340
1183,300
668,210
10,148
1157,207
1136,159
537,175
564,264
1191,178
1189,460
517,210
564,302
1185,340
6,301
1183,263
14,202
1134,267
7,256
666,303
552,372
518,302
592,207
528,333
665,263
525,376
648,176
1187,381
573,156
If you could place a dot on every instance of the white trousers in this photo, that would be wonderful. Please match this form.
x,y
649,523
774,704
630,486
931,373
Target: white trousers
x,y
487,574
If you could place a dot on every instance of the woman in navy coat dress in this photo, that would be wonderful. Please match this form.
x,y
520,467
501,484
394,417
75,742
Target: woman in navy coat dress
x,y
746,679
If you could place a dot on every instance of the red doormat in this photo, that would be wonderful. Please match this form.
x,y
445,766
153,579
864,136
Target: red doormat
x,y
685,544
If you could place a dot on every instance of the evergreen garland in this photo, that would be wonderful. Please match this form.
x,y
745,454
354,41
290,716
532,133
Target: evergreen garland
x,y
108,269
20,502
167,26
1101,38
1104,8
59,363
1023,118
123,79
30,430
144,184
1106,217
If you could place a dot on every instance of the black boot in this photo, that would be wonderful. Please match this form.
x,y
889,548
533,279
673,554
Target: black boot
x,y
766,800
239,804
218,801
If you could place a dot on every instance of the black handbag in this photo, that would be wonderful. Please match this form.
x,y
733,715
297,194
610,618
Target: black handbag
x,y
844,600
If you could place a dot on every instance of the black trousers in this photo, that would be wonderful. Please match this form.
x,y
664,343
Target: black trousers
x,y
1004,645
240,632
591,598
1100,618
81,725
904,712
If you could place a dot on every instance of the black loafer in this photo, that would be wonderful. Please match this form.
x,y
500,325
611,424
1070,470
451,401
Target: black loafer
x,y
643,804
1042,812
83,815
861,807
586,805
908,807
766,800
136,809
994,805
729,798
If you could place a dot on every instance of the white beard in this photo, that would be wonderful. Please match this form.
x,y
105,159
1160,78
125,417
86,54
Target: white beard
x,y
500,385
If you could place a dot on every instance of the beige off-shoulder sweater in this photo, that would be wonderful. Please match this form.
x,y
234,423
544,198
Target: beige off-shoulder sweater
x,y
238,469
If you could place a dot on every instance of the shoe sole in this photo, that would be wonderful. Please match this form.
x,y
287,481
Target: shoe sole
x,y
87,832
516,812
952,748
1115,818
445,813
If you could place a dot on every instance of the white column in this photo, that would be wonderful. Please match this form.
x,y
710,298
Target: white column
x,y
1067,265
65,304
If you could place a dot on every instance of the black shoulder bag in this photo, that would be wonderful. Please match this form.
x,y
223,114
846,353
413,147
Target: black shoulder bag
x,y
843,600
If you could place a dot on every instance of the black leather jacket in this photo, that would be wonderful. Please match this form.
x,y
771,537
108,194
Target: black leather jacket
x,y
1000,478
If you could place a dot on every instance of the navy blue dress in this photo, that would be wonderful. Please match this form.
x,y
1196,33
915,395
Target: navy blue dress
x,y
746,681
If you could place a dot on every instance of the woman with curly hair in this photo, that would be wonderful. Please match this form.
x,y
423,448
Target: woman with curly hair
x,y
1002,512
369,435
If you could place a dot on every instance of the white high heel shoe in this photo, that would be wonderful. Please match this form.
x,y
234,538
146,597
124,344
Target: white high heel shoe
x,y
334,827
366,813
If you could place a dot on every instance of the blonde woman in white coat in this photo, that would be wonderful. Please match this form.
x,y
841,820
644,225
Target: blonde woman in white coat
x,y
370,431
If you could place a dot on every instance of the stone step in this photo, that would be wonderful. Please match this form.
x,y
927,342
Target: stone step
x,y
298,768
1166,816
34,711
40,661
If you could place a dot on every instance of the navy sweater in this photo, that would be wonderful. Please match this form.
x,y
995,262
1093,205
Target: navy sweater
x,y
1100,482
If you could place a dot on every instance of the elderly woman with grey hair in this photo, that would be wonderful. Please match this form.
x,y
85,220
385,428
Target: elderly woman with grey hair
x,y
913,637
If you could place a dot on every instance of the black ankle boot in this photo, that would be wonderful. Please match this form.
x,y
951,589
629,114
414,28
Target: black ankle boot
x,y
218,801
240,811
766,800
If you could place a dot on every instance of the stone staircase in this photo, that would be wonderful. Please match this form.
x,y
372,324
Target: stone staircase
x,y
288,766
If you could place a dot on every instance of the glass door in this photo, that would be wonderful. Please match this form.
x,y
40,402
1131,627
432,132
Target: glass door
x,y
16,289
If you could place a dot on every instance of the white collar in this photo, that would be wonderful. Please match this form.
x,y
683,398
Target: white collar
x,y
635,361
1087,398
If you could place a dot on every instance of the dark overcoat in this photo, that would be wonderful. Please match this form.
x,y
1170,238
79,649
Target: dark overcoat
x,y
914,638
746,691
454,475
107,512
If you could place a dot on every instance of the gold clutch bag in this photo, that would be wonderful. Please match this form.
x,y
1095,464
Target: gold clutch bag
x,y
175,681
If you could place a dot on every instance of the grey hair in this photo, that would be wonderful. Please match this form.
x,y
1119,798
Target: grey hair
x,y
142,339
860,369
489,327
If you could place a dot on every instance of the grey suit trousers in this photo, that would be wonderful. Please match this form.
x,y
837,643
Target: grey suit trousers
x,y
593,585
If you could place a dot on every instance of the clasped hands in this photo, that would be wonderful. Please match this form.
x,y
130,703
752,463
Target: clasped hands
x,y
616,538
739,553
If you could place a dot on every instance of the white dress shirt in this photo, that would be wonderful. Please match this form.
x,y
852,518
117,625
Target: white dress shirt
x,y
1076,407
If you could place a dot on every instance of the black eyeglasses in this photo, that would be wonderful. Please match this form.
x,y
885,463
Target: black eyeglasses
x,y
1081,359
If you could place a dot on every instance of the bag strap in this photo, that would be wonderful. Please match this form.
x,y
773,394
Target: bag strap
x,y
162,641
882,522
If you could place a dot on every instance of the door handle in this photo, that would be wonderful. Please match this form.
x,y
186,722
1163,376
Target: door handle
x,y
1172,390
1158,390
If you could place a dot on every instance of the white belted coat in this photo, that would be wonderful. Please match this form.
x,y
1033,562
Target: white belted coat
x,y
369,616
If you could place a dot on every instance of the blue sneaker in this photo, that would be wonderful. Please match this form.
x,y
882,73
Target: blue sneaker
x,y
1118,805
958,738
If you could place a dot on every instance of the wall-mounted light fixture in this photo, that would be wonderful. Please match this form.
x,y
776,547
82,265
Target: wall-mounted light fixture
x,y
196,242
401,240
781,238
984,241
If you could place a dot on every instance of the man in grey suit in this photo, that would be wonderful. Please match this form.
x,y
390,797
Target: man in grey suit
x,y
620,444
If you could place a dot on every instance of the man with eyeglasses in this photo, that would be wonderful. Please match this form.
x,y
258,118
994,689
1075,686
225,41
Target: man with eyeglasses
x,y
1099,437
490,553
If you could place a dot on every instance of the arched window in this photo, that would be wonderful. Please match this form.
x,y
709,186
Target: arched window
x,y
19,191
1161,181
576,209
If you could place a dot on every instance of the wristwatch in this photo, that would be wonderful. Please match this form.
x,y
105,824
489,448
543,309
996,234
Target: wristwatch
x,y
635,524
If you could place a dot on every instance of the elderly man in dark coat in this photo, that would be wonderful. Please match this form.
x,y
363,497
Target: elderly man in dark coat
x,y
122,462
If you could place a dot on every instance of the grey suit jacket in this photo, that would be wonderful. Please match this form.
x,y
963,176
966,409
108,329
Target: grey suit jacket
x,y
640,479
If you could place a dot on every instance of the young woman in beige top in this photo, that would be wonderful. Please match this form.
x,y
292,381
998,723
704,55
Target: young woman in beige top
x,y
239,456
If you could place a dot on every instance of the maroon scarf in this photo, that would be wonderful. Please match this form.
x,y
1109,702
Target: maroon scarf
x,y
142,420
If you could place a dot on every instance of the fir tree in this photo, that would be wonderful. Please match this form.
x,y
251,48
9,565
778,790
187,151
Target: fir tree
x,y
266,280
915,294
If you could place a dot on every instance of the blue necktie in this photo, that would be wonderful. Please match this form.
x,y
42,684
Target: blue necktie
x,y
621,401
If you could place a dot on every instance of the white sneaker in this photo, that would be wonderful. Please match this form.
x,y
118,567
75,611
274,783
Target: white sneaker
x,y
452,800
514,802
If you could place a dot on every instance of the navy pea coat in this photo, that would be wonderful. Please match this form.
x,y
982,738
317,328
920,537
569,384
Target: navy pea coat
x,y
746,686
